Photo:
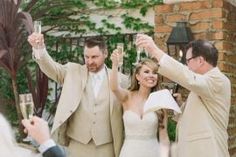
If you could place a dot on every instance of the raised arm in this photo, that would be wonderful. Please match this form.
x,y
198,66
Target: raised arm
x,y
203,85
51,68
121,94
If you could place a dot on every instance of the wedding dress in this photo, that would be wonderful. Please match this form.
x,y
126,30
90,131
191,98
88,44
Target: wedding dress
x,y
140,135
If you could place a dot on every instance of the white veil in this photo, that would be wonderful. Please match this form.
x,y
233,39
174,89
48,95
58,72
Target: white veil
x,y
8,145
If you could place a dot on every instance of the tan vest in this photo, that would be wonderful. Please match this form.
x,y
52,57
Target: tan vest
x,y
92,118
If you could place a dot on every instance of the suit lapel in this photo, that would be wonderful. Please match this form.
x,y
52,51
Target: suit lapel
x,y
84,73
84,78
65,111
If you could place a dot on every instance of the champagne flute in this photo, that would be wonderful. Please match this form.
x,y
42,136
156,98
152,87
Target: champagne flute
x,y
37,29
27,105
139,50
120,48
138,57
37,26
27,110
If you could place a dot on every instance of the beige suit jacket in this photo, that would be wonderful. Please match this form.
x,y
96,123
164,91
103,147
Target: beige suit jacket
x,y
202,128
73,77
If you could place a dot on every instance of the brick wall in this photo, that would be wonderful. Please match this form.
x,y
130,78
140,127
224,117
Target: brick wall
x,y
214,20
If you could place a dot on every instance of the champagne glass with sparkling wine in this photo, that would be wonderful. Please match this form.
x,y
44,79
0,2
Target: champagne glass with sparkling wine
x,y
37,29
37,26
27,105
139,50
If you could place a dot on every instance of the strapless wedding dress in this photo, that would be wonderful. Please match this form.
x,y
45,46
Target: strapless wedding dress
x,y
140,135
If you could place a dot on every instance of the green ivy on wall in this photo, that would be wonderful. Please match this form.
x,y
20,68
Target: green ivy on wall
x,y
57,15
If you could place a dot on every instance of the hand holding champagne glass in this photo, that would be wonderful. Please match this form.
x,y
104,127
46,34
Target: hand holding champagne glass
x,y
27,105
149,45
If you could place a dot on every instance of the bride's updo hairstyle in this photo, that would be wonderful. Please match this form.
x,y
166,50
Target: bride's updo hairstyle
x,y
151,63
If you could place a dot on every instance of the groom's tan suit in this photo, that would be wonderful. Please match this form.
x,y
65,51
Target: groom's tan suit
x,y
81,120
202,128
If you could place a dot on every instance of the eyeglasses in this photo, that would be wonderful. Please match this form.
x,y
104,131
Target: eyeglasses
x,y
189,59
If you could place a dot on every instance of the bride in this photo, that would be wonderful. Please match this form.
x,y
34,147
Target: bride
x,y
142,130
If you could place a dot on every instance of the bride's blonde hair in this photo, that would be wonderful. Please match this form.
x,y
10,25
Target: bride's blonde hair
x,y
153,64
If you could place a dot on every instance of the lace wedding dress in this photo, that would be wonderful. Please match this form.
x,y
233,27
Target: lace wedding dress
x,y
140,135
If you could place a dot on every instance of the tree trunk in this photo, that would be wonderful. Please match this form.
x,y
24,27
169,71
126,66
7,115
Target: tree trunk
x,y
17,104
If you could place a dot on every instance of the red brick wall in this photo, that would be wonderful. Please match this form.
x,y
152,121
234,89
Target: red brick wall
x,y
214,20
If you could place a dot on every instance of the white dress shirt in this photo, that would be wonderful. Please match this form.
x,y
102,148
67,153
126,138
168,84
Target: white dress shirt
x,y
97,79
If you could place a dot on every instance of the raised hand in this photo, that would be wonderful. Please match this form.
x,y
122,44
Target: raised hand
x,y
115,56
36,40
149,45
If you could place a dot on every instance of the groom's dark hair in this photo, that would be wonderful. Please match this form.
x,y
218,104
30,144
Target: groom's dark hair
x,y
96,41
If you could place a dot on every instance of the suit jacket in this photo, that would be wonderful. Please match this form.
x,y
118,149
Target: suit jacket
x,y
54,152
202,128
73,77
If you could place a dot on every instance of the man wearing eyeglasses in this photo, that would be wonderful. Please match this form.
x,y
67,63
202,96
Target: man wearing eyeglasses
x,y
202,127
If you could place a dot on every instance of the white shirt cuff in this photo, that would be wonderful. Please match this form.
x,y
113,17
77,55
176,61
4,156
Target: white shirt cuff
x,y
38,53
46,145
161,61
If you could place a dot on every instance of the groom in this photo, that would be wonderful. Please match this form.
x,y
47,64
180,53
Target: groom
x,y
88,119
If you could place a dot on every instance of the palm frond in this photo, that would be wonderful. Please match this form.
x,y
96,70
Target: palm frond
x,y
14,29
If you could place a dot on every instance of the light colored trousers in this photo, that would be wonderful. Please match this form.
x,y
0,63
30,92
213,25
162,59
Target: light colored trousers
x,y
77,149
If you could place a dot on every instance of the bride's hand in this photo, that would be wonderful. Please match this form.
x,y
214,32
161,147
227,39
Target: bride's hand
x,y
115,58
